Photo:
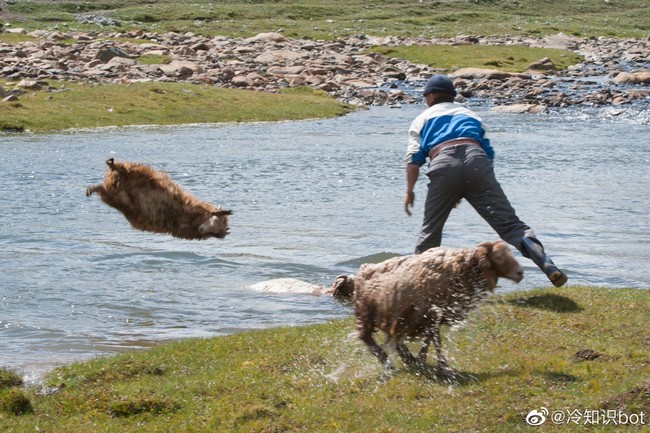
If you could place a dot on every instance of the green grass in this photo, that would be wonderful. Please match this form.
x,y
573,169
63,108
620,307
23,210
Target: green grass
x,y
338,18
511,58
517,353
77,105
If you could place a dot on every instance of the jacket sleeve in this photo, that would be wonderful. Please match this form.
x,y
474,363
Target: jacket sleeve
x,y
414,152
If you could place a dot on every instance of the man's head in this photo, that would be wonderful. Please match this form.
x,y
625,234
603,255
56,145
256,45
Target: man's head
x,y
439,88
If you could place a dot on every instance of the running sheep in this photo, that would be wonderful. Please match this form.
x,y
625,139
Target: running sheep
x,y
412,296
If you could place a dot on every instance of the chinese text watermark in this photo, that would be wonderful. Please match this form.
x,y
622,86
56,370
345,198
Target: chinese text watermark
x,y
585,417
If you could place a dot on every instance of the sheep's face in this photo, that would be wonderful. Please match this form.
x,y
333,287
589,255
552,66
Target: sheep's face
x,y
217,225
343,287
504,262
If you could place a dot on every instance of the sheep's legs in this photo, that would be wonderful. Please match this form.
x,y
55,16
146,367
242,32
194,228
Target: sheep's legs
x,y
422,354
376,350
443,368
405,354
431,334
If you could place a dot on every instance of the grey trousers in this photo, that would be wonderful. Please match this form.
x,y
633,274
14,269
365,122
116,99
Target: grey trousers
x,y
465,171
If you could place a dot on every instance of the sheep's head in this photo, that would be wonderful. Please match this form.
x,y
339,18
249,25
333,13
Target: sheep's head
x,y
498,257
216,225
343,287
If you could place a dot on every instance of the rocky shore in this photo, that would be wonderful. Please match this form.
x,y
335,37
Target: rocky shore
x,y
615,71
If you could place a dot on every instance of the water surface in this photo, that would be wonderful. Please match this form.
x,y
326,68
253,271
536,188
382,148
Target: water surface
x,y
311,200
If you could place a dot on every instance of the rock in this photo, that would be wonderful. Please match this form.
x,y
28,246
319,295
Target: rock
x,y
544,64
119,63
486,74
560,41
270,61
105,54
228,73
277,56
267,37
638,77
520,108
179,68
29,85
242,81
93,63
285,70
297,81
361,84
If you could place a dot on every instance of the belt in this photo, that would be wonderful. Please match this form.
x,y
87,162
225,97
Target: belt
x,y
455,142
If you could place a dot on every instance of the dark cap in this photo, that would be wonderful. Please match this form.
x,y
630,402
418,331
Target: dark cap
x,y
439,84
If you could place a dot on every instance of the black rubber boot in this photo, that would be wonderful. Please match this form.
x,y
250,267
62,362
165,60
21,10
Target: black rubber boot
x,y
533,249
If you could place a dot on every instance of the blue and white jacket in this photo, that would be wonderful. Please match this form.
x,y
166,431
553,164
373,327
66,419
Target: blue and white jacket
x,y
442,122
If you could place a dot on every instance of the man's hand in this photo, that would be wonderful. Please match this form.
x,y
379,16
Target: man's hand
x,y
408,202
412,173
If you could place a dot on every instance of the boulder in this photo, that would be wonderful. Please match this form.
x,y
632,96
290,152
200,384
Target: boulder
x,y
560,41
29,85
544,65
105,54
242,81
178,68
520,108
638,77
267,37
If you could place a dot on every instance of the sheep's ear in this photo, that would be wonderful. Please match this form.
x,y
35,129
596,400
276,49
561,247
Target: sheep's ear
x,y
482,255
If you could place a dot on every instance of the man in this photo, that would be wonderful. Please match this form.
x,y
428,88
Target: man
x,y
460,166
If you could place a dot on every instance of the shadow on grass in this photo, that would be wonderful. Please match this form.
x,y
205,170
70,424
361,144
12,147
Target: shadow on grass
x,y
548,302
456,377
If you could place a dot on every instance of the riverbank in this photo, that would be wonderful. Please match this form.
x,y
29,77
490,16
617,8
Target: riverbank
x,y
613,72
51,106
574,352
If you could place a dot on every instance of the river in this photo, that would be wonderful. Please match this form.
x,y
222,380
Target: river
x,y
311,200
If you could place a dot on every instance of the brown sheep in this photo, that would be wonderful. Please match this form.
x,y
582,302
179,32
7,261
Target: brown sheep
x,y
411,296
151,201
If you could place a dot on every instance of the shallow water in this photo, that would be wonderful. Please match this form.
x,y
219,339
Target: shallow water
x,y
311,200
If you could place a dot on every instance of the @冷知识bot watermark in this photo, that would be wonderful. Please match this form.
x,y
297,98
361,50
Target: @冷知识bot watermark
x,y
585,417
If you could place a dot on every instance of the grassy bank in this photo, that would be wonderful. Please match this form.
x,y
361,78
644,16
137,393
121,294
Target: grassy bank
x,y
337,18
78,105
577,348
511,58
